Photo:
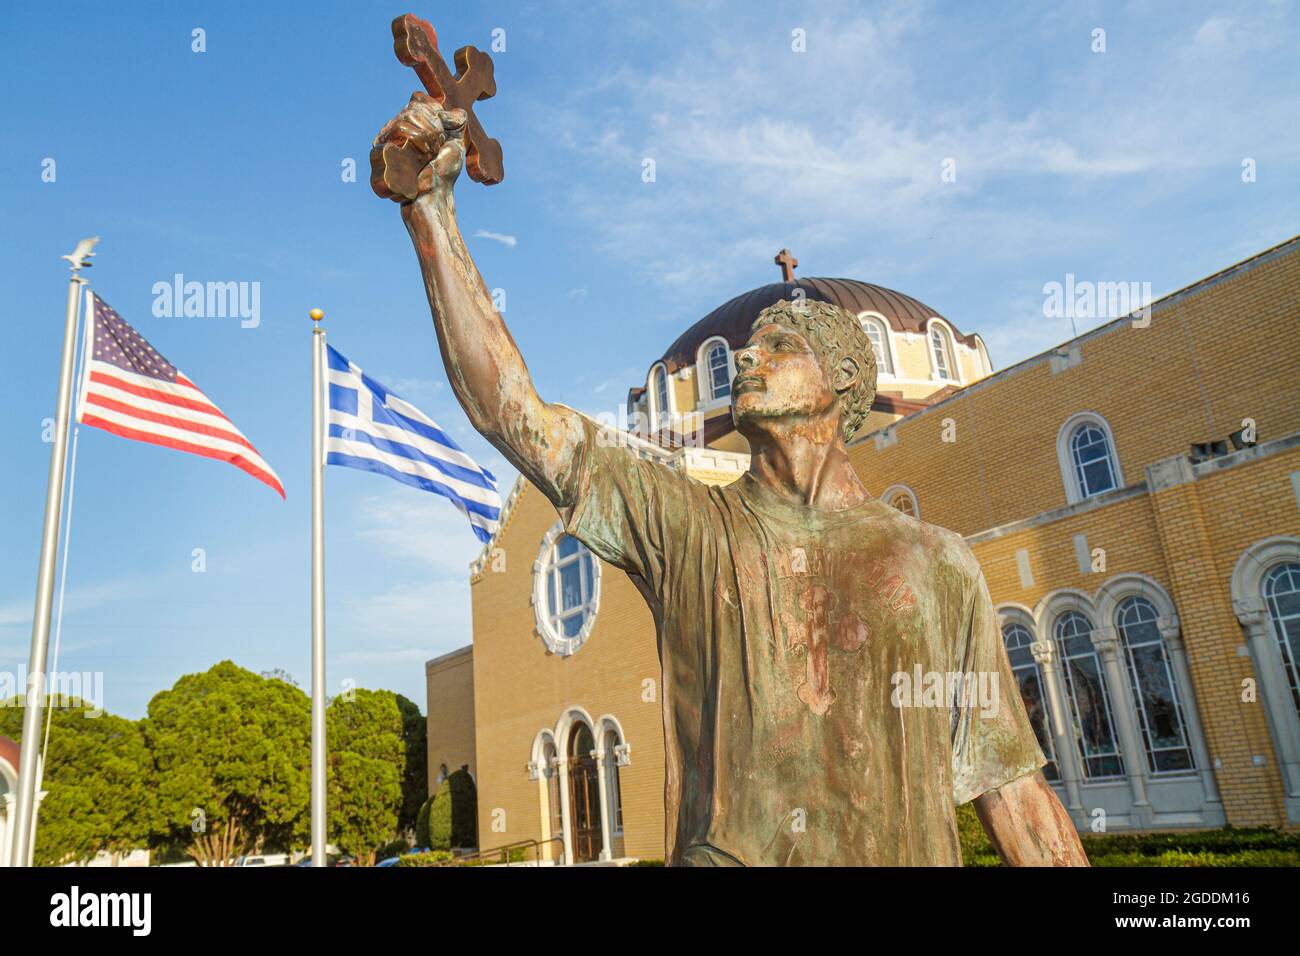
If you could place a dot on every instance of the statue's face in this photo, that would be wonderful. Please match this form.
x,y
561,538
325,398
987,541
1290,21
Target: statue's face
x,y
778,375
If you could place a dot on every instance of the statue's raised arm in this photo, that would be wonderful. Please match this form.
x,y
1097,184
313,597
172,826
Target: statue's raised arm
x,y
483,363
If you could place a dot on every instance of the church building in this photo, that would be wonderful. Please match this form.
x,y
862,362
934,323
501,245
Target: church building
x,y
1133,497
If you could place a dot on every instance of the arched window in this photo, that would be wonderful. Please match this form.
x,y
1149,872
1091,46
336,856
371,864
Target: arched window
x,y
941,354
551,774
1089,465
716,371
566,592
1282,598
1085,684
903,499
1017,638
875,330
662,410
1093,465
611,746
1155,692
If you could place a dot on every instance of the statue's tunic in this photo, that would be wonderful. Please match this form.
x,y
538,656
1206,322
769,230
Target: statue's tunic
x,y
834,683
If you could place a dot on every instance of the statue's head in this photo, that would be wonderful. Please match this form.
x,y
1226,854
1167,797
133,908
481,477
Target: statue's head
x,y
809,360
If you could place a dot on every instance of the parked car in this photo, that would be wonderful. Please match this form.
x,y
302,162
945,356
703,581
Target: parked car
x,y
263,859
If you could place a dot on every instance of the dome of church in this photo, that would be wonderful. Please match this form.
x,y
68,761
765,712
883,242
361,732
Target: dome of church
x,y
732,319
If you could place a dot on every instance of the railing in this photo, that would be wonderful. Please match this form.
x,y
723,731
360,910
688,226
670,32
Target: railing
x,y
502,854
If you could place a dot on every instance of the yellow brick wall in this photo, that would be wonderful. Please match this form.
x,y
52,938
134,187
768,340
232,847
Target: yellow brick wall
x,y
1204,364
521,688
449,703
1187,539
1223,514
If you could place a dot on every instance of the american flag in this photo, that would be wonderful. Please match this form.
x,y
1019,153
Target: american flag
x,y
128,389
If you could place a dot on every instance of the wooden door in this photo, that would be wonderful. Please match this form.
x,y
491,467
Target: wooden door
x,y
584,797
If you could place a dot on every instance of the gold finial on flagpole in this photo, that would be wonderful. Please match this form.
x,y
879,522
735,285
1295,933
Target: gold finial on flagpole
x,y
316,315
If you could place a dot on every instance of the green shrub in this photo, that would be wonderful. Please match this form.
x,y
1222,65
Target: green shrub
x,y
464,809
422,824
450,818
440,818
1261,846
436,858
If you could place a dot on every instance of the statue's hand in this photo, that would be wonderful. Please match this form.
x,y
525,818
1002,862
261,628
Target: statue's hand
x,y
420,150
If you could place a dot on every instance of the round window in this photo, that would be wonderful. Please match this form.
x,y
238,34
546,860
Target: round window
x,y
566,592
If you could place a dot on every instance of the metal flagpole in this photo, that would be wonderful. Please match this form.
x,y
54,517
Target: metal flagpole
x,y
21,848
86,331
317,592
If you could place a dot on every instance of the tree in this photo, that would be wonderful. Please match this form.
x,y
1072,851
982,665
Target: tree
x,y
366,766
422,824
415,777
99,782
440,818
232,751
464,809
279,673
453,813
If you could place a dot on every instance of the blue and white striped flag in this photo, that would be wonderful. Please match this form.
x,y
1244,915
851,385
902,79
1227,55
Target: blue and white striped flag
x,y
375,430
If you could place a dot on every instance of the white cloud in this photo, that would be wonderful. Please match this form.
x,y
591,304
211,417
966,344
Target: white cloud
x,y
423,529
837,153
500,237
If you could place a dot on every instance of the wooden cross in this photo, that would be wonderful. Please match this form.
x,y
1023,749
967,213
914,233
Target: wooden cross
x,y
787,263
392,167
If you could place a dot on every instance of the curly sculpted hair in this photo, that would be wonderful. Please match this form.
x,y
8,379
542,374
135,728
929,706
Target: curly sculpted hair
x,y
833,333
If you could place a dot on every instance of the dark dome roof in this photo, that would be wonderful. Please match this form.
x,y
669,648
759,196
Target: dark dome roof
x,y
732,319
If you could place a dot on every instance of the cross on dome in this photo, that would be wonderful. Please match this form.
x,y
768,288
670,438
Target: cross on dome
x,y
787,263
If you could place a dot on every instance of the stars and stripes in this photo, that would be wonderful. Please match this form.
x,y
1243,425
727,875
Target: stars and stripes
x,y
371,428
128,389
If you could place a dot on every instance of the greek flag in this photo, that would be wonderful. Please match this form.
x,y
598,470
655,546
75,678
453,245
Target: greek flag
x,y
373,429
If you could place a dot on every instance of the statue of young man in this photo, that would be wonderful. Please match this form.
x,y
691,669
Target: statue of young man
x,y
787,604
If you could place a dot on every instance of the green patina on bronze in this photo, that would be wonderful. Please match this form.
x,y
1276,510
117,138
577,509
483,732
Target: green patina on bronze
x,y
781,628
792,608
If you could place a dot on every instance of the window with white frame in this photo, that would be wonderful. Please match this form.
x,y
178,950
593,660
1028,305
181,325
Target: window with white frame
x,y
1094,464
875,330
1029,677
1155,692
717,372
1086,450
1282,598
662,410
941,353
566,592
902,498
1090,707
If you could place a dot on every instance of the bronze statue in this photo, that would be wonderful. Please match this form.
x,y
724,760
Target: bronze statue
x,y
787,604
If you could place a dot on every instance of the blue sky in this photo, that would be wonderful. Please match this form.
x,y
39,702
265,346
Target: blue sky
x,y
226,166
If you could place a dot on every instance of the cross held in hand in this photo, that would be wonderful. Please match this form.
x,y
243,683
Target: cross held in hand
x,y
416,44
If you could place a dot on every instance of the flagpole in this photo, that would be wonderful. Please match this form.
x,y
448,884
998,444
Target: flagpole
x,y
317,593
23,843
86,336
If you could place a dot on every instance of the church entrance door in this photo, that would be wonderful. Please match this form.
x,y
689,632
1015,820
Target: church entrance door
x,y
584,795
